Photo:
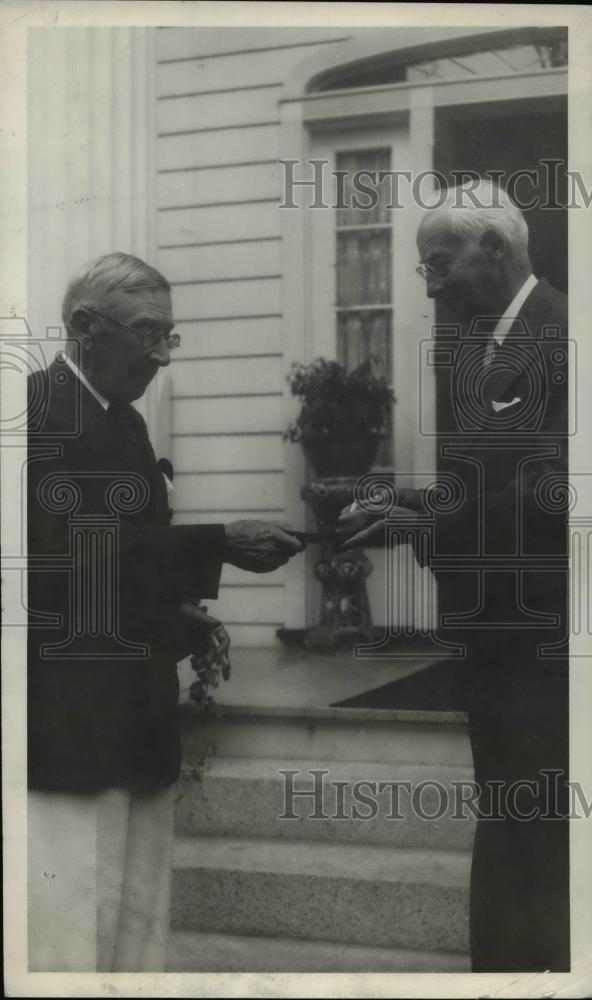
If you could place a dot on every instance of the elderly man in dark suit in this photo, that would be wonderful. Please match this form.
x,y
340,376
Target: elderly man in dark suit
x,y
111,586
503,595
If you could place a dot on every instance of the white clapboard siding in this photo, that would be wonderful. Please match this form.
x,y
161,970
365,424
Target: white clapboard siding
x,y
229,337
227,415
220,453
226,260
234,221
179,43
223,378
204,187
228,298
236,70
263,490
234,577
218,242
204,111
225,516
250,604
253,144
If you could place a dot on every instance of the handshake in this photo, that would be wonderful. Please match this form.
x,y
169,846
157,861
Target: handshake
x,y
262,546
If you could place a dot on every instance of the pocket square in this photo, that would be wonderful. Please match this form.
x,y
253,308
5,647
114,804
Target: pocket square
x,y
503,406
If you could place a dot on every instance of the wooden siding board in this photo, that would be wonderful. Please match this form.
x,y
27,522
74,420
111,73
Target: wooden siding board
x,y
221,516
218,222
216,110
181,43
240,452
202,187
242,69
223,377
233,260
235,145
229,337
262,490
254,413
249,604
230,298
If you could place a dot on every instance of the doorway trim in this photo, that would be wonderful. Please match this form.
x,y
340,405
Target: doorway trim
x,y
304,114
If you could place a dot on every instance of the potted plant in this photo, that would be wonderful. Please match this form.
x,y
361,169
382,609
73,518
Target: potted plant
x,y
343,418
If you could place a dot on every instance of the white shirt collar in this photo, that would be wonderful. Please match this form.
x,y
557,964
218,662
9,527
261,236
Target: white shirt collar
x,y
504,324
80,375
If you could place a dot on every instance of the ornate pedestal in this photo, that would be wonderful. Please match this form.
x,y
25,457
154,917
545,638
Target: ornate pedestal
x,y
345,610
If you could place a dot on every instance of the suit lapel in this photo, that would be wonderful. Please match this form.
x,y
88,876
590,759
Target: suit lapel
x,y
72,405
522,345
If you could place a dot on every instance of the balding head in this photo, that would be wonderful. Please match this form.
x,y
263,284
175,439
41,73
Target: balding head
x,y
475,246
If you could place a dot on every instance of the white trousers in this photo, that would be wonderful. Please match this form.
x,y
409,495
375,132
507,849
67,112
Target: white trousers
x,y
99,876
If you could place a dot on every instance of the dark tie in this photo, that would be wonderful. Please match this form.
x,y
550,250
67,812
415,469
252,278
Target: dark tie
x,y
136,434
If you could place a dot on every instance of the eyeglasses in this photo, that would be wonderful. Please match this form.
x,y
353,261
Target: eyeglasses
x,y
148,340
440,270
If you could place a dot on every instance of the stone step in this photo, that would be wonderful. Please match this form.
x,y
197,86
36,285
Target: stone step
x,y
352,894
202,952
359,735
249,797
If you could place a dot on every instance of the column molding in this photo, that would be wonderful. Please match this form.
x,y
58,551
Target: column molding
x,y
92,162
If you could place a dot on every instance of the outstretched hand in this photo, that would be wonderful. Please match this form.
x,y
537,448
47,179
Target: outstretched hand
x,y
357,527
260,546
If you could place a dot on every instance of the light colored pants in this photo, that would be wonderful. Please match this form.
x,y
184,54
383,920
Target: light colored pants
x,y
99,876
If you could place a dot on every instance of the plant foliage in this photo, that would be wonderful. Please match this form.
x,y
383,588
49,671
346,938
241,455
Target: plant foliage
x,y
337,403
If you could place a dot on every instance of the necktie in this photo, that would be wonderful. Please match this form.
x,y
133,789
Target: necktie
x,y
137,436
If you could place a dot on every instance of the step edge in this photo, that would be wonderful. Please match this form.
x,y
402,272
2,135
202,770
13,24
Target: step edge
x,y
322,944
220,767
188,854
304,712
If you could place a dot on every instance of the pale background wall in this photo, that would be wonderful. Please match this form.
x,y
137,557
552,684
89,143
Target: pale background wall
x,y
164,143
219,242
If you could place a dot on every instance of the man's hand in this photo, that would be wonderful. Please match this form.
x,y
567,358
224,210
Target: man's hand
x,y
357,527
260,546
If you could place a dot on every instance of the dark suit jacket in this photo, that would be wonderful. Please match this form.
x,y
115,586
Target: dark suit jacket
x,y
511,467
107,573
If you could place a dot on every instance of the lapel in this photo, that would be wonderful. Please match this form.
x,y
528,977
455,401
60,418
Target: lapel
x,y
71,405
524,344
529,368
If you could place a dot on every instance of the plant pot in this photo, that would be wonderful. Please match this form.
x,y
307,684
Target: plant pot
x,y
345,456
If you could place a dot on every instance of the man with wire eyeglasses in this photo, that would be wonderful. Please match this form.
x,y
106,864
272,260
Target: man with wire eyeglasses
x,y
110,581
503,594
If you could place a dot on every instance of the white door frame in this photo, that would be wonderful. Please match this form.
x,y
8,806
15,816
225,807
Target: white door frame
x,y
303,117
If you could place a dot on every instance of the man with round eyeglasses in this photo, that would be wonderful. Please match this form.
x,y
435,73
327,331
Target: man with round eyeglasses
x,y
110,580
500,557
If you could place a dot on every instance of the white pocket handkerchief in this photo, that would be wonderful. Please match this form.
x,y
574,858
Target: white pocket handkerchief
x,y
503,406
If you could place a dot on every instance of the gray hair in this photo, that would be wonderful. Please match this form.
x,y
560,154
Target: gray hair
x,y
474,208
105,275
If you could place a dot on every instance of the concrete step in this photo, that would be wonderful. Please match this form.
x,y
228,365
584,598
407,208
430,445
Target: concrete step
x,y
352,894
197,952
249,797
340,734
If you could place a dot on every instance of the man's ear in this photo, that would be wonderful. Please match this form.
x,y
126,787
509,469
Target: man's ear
x,y
80,326
493,243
